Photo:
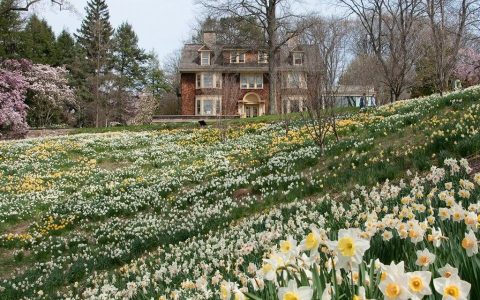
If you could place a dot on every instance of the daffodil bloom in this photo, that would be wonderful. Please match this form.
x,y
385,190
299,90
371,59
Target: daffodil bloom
x,y
471,220
225,291
387,235
436,237
424,258
271,265
327,292
476,178
349,248
292,292
444,213
394,283
452,288
470,243
458,213
419,284
464,194
360,295
288,247
238,295
448,271
311,241
416,233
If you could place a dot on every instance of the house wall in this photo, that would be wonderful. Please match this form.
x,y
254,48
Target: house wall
x,y
188,94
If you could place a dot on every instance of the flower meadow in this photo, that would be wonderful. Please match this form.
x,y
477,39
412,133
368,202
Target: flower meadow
x,y
391,211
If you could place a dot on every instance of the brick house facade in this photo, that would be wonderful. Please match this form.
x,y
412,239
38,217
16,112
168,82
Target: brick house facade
x,y
233,80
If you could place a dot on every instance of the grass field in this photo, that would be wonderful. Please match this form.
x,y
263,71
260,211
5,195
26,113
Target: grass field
x,y
176,212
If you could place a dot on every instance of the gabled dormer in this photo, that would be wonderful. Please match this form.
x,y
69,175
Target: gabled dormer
x,y
205,54
298,57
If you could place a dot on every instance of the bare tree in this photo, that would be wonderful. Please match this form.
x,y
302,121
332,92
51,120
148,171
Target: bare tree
x,y
171,66
392,27
273,17
327,41
26,5
449,21
231,93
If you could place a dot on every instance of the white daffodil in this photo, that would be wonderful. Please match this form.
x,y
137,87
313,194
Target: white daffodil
x,y
327,292
289,247
238,295
424,258
452,288
270,266
225,291
292,292
448,271
470,243
394,282
360,295
471,220
436,237
311,242
419,284
349,248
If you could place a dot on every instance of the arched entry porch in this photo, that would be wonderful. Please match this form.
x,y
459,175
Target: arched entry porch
x,y
251,106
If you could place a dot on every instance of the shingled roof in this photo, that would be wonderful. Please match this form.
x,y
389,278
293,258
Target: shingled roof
x,y
190,59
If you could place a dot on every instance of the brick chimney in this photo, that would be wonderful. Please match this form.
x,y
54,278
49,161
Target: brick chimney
x,y
209,38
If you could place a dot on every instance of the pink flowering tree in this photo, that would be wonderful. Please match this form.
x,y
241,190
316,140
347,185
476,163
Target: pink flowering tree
x,y
13,90
468,66
50,98
37,93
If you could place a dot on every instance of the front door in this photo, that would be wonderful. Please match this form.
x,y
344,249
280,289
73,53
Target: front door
x,y
251,111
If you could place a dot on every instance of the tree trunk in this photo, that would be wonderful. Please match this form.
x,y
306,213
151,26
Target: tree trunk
x,y
272,45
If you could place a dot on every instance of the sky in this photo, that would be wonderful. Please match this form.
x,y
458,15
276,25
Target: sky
x,y
161,25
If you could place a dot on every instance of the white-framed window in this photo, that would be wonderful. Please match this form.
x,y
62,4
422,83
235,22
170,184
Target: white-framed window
x,y
294,104
262,57
237,57
205,58
207,105
297,58
296,80
209,80
251,81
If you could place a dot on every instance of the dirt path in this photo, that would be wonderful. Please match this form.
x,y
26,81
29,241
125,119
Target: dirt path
x,y
47,132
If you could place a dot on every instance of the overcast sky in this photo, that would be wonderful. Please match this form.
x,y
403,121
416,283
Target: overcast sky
x,y
161,25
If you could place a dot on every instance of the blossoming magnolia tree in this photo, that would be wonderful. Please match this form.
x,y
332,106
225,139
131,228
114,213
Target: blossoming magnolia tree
x,y
51,96
468,68
13,89
44,88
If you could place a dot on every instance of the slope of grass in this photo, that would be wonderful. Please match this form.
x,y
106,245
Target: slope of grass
x,y
106,210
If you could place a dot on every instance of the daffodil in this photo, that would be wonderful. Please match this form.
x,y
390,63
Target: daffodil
x,y
288,247
327,292
448,271
424,258
360,295
394,282
419,284
349,248
452,288
470,243
311,242
292,292
225,291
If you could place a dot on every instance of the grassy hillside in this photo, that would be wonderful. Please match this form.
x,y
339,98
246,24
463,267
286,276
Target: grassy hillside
x,y
178,213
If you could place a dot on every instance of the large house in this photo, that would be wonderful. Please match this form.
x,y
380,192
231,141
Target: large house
x,y
233,80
